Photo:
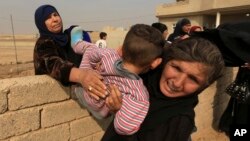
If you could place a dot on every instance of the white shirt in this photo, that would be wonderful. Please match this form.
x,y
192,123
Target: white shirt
x,y
101,43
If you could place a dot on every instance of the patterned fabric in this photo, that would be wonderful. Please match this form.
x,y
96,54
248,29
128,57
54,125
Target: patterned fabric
x,y
53,60
135,99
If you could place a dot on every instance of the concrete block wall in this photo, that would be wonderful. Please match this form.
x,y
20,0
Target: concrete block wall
x,y
38,108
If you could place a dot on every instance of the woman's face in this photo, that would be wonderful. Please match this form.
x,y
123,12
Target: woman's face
x,y
54,23
186,28
181,78
165,34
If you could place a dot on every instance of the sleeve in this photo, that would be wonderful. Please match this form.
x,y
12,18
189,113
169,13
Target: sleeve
x,y
81,47
92,56
48,59
131,115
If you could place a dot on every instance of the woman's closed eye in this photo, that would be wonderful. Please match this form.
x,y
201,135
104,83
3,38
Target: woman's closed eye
x,y
193,78
177,68
190,77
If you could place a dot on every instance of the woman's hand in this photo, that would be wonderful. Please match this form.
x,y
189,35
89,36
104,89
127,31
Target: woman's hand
x,y
114,99
91,81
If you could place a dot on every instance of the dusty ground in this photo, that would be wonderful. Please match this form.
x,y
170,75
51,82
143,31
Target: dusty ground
x,y
13,70
16,61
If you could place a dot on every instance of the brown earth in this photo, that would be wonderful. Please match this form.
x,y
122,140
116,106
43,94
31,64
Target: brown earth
x,y
16,61
19,70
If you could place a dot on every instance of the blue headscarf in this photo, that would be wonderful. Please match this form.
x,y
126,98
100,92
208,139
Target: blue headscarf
x,y
41,15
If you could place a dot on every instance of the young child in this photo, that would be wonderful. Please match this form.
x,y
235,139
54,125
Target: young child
x,y
141,51
101,43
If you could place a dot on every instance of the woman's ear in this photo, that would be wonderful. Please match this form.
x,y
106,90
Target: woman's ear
x,y
156,63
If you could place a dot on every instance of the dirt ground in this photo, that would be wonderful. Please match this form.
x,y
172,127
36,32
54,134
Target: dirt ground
x,y
16,61
19,70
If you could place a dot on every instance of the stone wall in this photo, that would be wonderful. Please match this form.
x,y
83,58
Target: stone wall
x,y
38,108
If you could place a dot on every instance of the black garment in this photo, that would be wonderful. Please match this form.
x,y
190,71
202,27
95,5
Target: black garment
x,y
168,119
233,40
236,113
54,60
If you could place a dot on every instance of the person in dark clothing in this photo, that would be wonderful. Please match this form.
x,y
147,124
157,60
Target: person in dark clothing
x,y
181,30
54,56
233,39
188,67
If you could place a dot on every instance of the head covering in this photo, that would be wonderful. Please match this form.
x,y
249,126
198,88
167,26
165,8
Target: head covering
x,y
233,40
178,29
160,26
193,28
41,15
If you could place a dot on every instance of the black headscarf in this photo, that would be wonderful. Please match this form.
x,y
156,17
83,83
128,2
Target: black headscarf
x,y
160,26
178,31
233,40
41,15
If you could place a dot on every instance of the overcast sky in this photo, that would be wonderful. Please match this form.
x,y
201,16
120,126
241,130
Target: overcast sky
x,y
90,14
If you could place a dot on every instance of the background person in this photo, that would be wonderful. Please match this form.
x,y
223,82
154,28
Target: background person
x,y
101,43
181,30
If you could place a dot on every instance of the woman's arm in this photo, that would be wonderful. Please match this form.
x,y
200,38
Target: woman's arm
x,y
48,59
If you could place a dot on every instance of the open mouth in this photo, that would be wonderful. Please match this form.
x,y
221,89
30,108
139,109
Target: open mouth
x,y
171,88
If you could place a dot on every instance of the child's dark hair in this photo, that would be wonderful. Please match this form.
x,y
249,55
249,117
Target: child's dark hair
x,y
142,45
102,35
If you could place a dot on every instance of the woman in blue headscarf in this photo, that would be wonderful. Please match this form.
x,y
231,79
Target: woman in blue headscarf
x,y
54,56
